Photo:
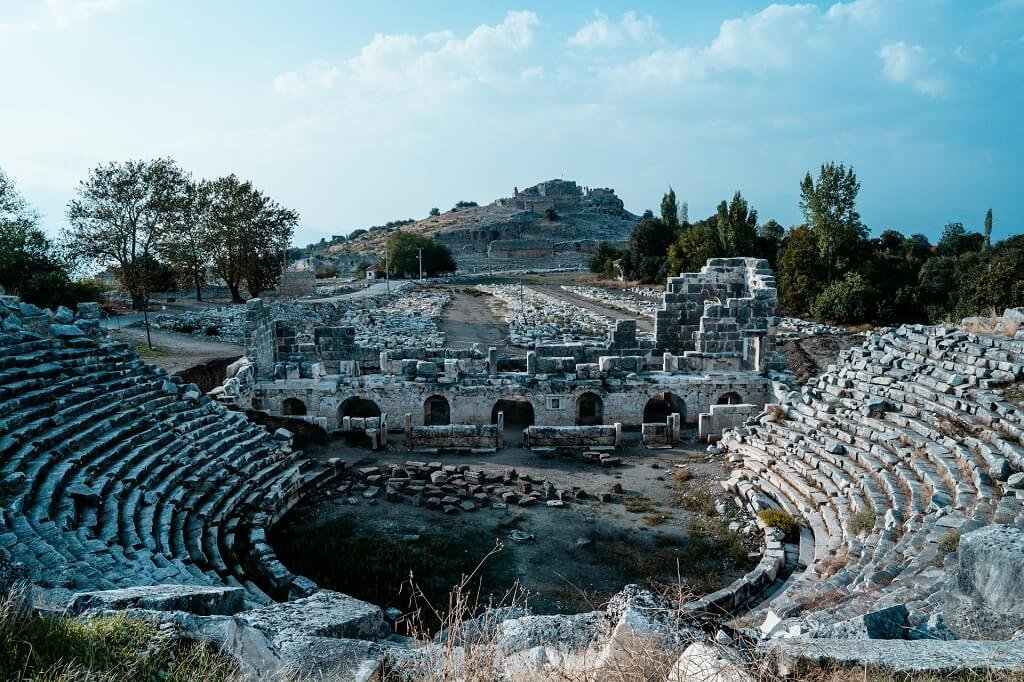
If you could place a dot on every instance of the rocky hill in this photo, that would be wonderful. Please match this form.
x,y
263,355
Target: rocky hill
x,y
514,230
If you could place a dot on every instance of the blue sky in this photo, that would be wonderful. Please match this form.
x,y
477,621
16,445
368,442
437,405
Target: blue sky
x,y
356,114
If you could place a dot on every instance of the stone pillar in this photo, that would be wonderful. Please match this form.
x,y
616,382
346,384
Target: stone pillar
x,y
671,362
677,422
346,424
668,430
408,429
492,360
499,442
531,362
451,369
384,428
384,362
618,434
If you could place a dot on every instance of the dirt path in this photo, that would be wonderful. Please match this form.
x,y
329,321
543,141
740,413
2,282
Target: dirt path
x,y
470,319
175,352
643,323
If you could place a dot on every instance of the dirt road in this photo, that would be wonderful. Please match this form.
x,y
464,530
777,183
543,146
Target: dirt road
x,y
470,319
175,352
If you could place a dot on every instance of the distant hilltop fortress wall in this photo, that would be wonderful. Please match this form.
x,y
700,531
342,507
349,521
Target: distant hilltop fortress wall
x,y
564,195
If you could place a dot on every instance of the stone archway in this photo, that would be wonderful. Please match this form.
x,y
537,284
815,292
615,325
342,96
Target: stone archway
x,y
589,410
730,398
293,407
357,406
518,412
661,405
437,411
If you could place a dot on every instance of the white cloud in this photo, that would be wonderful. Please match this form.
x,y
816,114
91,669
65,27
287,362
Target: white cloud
x,y
68,12
435,61
775,39
912,65
604,33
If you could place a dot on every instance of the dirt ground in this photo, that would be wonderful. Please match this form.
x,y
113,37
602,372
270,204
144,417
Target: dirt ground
x,y
810,356
472,318
580,554
173,351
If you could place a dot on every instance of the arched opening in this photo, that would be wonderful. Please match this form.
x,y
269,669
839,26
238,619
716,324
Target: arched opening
x,y
589,410
730,398
293,407
437,411
518,412
358,407
661,405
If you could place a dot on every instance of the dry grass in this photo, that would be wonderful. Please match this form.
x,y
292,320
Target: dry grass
x,y
681,475
638,504
695,497
775,413
37,647
862,522
831,565
949,542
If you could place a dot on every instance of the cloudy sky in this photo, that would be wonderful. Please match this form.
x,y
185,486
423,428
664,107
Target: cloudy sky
x,y
356,114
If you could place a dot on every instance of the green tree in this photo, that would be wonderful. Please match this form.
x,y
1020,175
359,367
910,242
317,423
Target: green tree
x,y
830,209
846,301
670,210
956,240
603,262
737,227
435,211
646,256
121,215
356,233
551,215
988,229
404,256
801,272
694,246
769,241
187,245
250,233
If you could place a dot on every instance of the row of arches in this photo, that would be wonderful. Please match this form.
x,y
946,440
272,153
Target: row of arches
x,y
518,411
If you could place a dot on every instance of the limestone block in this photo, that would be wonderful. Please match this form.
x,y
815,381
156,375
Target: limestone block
x,y
199,600
702,662
985,586
323,614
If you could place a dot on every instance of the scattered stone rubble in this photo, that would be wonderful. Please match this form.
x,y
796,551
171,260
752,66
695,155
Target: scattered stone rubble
x,y
534,317
450,488
615,298
404,319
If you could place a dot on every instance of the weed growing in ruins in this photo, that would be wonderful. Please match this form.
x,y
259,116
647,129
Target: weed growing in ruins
x,y
696,498
38,647
949,542
862,522
779,518
1014,394
638,504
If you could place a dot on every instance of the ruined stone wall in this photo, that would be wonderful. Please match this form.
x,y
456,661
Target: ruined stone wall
x,y
727,308
553,400
295,283
262,331
520,248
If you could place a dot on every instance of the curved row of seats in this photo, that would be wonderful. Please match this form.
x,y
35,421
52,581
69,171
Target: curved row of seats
x,y
112,475
902,443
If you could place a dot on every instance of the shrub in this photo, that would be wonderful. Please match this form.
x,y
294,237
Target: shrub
x,y
779,518
551,215
847,300
212,330
862,522
949,542
325,270
697,499
435,211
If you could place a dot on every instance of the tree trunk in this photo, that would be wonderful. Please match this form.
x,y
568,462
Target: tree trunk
x,y
199,285
138,300
236,297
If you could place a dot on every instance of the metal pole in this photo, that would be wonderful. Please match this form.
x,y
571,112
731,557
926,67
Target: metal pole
x,y
421,263
387,269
